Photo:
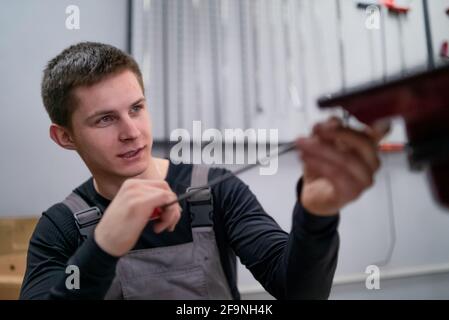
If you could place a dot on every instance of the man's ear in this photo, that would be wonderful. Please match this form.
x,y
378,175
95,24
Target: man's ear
x,y
62,136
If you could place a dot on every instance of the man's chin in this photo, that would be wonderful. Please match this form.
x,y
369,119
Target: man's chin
x,y
134,174
129,173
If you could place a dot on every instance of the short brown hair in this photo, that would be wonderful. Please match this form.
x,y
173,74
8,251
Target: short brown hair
x,y
82,64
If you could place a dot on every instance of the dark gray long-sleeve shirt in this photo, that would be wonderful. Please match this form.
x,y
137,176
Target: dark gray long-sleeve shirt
x,y
298,265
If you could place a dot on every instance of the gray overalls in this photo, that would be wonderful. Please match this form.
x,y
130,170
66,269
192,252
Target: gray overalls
x,y
186,271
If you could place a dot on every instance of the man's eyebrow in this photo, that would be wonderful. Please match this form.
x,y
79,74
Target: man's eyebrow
x,y
138,101
105,112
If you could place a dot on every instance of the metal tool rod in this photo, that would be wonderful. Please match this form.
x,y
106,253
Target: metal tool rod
x,y
428,30
288,148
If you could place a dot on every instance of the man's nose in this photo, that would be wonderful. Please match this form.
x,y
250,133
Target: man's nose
x,y
128,129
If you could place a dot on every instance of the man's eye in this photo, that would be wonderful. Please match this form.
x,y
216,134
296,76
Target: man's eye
x,y
136,109
105,120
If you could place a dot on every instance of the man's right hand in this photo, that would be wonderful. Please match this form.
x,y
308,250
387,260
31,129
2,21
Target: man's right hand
x,y
130,211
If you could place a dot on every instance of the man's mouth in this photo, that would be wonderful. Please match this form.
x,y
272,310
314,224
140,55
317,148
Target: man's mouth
x,y
131,154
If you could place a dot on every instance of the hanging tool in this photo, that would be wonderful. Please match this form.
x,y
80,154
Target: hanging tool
x,y
281,151
383,34
368,7
428,31
293,91
246,101
302,59
255,12
395,8
366,4
197,44
272,21
341,50
444,52
400,12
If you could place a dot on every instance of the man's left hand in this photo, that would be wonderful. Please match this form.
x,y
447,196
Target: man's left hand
x,y
339,164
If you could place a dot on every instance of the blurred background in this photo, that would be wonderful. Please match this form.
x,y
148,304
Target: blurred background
x,y
236,64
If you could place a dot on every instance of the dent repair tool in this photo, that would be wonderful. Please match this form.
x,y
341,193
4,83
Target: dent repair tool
x,y
281,151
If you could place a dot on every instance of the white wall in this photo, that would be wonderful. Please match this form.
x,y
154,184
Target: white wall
x,y
34,171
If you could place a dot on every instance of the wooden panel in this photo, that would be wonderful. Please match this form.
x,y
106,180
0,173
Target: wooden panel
x,y
10,287
12,270
15,234
12,265
14,240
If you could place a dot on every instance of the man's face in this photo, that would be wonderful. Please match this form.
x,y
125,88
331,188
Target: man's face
x,y
111,127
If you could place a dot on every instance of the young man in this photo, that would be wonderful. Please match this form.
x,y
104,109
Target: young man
x,y
94,96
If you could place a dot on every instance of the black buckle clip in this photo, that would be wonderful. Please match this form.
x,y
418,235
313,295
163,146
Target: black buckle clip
x,y
86,220
201,207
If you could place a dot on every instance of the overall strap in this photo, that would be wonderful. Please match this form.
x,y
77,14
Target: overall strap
x,y
201,206
86,217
